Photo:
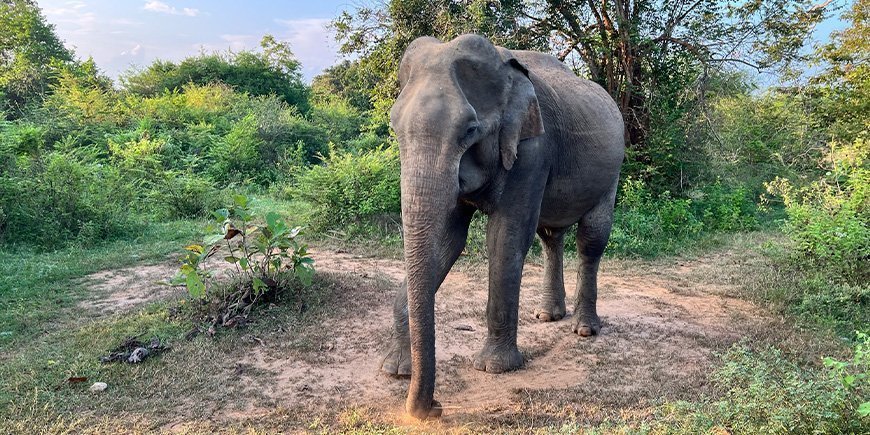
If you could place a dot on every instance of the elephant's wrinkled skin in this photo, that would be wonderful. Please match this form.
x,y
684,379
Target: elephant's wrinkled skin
x,y
518,136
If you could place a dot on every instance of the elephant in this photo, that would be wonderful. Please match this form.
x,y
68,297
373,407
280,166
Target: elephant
x,y
521,138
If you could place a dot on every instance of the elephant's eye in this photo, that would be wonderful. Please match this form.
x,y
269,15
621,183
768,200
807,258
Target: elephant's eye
x,y
469,134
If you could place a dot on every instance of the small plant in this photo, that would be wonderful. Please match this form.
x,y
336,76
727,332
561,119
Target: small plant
x,y
263,254
854,375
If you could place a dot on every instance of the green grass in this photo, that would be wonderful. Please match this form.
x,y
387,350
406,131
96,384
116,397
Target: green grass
x,y
37,287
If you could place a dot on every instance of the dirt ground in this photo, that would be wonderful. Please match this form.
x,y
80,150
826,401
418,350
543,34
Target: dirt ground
x,y
663,322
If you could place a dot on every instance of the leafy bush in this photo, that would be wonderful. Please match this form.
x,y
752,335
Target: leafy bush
x,y
765,392
350,190
55,198
723,208
828,219
183,195
264,254
237,156
646,226
273,71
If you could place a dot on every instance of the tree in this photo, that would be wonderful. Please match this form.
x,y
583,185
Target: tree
x,y
273,70
31,54
844,84
634,47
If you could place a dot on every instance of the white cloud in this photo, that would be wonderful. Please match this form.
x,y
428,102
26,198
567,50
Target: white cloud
x,y
73,15
133,51
311,42
163,8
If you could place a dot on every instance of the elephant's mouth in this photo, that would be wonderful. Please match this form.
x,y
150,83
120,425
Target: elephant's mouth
x,y
472,177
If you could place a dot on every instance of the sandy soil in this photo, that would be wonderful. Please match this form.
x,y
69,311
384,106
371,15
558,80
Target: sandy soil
x,y
661,327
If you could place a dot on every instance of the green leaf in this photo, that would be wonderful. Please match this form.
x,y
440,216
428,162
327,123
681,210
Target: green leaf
x,y
305,275
231,259
259,285
240,200
849,380
244,263
274,222
221,214
864,409
195,286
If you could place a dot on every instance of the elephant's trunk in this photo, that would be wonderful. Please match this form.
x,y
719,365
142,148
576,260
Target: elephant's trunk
x,y
428,199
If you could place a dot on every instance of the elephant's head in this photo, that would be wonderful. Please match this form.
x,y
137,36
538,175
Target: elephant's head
x,y
464,107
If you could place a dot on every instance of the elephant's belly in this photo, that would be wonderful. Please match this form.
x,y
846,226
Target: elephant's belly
x,y
565,203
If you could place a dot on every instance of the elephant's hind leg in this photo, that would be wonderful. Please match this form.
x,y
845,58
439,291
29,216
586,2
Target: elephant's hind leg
x,y
552,307
593,231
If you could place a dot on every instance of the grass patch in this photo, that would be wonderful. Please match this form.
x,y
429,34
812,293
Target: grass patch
x,y
38,286
193,380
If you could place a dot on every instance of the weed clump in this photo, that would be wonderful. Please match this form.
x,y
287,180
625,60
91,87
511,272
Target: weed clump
x,y
261,255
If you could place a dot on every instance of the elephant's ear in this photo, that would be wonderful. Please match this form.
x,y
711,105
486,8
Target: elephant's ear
x,y
521,118
412,57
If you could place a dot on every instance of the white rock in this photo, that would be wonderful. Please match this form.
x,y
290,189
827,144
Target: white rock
x,y
99,386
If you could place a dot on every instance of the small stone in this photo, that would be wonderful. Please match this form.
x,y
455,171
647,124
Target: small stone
x,y
139,354
98,386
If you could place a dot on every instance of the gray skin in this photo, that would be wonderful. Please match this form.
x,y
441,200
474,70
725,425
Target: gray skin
x,y
518,136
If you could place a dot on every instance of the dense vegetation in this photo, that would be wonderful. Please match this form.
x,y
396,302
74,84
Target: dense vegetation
x,y
85,161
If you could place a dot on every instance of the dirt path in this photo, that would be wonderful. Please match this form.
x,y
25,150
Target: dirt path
x,y
661,327
658,339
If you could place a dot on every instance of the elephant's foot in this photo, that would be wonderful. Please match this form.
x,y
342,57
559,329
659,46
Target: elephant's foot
x,y
586,323
550,312
422,413
498,358
397,361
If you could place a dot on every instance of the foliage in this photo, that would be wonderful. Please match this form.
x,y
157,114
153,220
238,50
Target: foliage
x,y
843,87
647,225
828,219
30,55
265,258
352,190
754,138
765,392
634,48
54,198
273,71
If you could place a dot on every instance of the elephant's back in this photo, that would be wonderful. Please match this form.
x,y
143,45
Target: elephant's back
x,y
585,126
576,98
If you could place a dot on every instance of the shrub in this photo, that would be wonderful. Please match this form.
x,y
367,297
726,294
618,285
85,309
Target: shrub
x,y
55,198
264,255
723,208
237,156
765,392
828,219
350,190
647,226
183,195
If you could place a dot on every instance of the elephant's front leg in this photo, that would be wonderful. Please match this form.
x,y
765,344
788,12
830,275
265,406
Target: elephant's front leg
x,y
508,239
397,360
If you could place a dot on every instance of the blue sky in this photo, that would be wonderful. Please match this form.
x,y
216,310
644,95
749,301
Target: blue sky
x,y
122,33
